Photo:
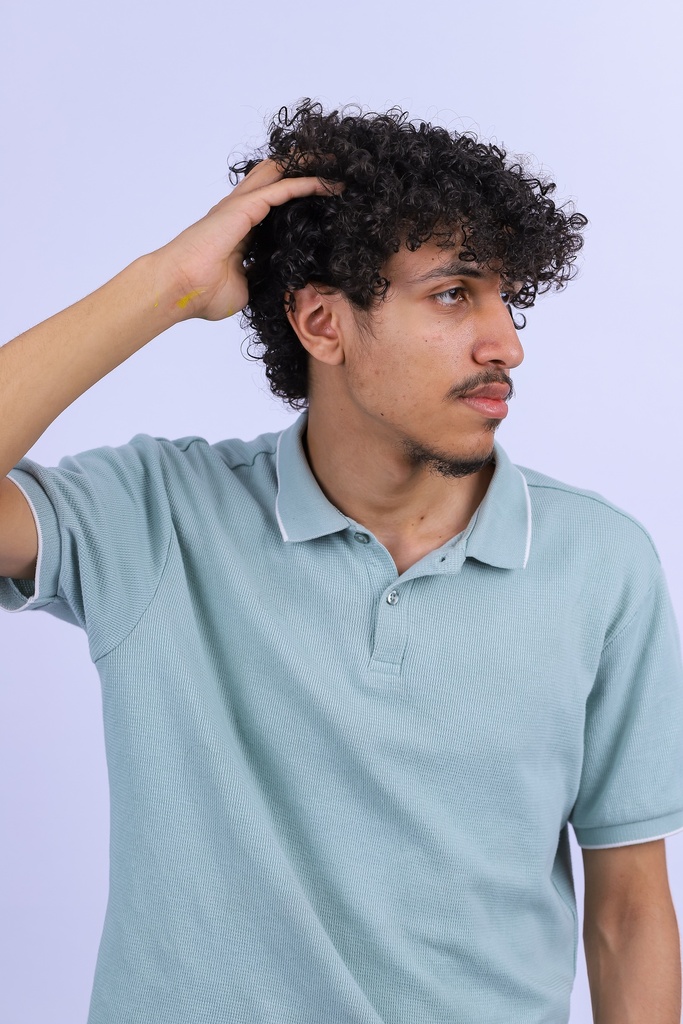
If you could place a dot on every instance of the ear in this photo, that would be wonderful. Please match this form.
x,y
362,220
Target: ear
x,y
318,319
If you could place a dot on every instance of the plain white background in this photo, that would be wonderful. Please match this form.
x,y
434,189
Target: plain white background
x,y
118,121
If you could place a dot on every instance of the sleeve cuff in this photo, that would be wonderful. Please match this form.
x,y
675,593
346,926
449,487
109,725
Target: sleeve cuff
x,y
630,834
18,595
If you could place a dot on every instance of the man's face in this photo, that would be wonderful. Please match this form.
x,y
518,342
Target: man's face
x,y
410,367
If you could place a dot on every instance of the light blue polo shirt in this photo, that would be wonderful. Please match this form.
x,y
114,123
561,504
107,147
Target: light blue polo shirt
x,y
338,794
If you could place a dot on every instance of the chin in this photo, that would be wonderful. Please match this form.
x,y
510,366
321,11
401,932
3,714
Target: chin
x,y
463,461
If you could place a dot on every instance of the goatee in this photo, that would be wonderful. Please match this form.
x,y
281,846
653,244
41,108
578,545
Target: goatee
x,y
445,464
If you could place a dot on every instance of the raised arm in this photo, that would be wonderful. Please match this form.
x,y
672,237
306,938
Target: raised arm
x,y
198,274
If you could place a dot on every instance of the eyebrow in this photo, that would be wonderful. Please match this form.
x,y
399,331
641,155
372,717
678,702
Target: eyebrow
x,y
455,269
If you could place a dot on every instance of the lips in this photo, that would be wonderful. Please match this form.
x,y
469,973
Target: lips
x,y
489,400
495,392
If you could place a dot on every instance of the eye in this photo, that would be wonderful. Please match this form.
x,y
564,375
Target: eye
x,y
451,296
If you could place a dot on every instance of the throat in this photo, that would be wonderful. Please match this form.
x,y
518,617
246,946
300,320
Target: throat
x,y
408,543
406,561
407,553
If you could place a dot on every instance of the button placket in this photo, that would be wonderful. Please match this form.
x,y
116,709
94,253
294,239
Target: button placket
x,y
390,641
390,634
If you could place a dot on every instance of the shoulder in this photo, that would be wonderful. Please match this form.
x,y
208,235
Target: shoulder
x,y
583,509
190,454
148,470
233,452
588,528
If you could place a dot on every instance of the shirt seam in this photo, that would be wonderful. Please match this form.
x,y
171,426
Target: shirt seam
x,y
105,654
213,448
630,620
237,465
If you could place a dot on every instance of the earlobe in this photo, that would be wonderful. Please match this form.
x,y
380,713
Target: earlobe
x,y
315,320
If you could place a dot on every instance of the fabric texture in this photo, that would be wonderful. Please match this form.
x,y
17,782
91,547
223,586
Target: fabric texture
x,y
339,794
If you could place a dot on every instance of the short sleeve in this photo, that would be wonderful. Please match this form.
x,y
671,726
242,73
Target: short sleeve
x,y
104,527
631,788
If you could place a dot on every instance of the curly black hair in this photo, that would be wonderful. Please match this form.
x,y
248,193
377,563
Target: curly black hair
x,y
405,182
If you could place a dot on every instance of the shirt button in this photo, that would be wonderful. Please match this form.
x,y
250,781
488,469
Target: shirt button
x,y
392,598
362,538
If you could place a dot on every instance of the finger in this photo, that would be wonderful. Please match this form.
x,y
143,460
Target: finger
x,y
283,191
265,172
242,248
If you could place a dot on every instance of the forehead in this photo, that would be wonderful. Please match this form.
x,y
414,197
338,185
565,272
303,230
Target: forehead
x,y
430,264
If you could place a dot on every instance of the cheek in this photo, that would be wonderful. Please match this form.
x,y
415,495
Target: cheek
x,y
401,361
384,376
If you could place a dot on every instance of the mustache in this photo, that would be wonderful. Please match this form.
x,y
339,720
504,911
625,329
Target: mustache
x,y
479,380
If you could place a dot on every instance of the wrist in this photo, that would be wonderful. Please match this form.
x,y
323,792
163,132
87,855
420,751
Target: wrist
x,y
173,295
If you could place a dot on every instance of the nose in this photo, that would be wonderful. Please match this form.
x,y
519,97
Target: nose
x,y
497,341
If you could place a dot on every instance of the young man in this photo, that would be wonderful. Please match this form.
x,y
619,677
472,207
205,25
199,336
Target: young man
x,y
361,675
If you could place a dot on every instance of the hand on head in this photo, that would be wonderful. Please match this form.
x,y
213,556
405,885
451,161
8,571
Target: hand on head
x,y
208,257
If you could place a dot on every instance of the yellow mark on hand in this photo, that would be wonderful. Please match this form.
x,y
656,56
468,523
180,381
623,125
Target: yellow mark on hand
x,y
181,303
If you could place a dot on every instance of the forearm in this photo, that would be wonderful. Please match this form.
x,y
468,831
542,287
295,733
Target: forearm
x,y
634,972
48,367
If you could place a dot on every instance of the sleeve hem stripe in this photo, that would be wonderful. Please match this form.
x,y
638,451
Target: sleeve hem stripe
x,y
632,842
36,593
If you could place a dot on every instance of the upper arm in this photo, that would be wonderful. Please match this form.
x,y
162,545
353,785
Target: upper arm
x,y
18,534
105,526
623,879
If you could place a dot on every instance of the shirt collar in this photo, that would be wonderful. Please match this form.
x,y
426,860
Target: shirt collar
x,y
303,512
500,536
502,532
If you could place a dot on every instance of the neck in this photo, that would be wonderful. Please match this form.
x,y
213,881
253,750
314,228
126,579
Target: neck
x,y
368,477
